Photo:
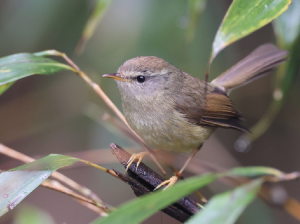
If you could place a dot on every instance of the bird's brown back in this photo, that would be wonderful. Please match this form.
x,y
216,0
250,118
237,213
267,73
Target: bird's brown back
x,y
214,109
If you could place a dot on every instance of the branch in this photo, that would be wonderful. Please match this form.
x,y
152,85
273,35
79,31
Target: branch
x,y
144,180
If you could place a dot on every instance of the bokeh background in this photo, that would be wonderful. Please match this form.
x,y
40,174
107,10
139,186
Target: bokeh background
x,y
40,115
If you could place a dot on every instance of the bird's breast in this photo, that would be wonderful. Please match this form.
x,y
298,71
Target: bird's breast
x,y
163,127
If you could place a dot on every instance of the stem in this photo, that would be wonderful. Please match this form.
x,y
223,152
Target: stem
x,y
111,172
57,186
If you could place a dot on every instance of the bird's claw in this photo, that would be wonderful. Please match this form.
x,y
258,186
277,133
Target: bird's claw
x,y
136,156
170,183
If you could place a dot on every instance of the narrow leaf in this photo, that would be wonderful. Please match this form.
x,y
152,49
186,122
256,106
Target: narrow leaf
x,y
225,208
21,65
17,183
244,17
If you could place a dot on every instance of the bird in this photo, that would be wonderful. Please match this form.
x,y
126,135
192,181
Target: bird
x,y
175,111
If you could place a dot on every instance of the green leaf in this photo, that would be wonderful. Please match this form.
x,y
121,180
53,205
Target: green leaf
x,y
90,27
141,208
244,17
21,65
225,208
4,87
17,183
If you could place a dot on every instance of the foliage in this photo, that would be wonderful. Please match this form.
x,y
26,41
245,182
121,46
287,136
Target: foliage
x,y
242,18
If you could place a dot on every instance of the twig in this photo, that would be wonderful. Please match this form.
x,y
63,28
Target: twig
x,y
175,211
57,186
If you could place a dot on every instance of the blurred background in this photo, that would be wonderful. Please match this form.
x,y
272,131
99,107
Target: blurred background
x,y
40,115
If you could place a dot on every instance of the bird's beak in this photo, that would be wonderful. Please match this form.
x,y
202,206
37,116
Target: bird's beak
x,y
115,76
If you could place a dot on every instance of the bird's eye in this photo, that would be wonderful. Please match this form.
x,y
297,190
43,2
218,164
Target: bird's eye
x,y
141,78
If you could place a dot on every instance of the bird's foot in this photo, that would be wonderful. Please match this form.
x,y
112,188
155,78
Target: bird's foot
x,y
169,183
136,156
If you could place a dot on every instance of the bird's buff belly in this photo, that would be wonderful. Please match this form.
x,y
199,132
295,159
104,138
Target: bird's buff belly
x,y
171,135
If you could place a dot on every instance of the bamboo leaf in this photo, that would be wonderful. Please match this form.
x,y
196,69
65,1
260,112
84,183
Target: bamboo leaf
x,y
244,17
17,66
17,183
225,208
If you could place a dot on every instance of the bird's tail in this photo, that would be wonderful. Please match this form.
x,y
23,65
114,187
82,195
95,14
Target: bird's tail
x,y
257,64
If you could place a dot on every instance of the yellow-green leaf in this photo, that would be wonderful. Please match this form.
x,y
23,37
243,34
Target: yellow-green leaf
x,y
244,17
4,87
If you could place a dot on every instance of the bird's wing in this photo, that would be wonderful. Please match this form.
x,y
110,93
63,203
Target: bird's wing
x,y
220,112
214,109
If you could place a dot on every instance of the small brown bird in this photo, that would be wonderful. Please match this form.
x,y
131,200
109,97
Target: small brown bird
x,y
172,110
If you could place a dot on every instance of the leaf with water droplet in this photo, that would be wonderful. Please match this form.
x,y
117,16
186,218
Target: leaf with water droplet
x,y
17,183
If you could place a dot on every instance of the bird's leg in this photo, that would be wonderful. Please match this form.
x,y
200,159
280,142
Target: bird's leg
x,y
138,156
174,179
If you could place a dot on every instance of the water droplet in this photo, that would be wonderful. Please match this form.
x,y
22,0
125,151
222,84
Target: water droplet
x,y
11,206
44,177
5,196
